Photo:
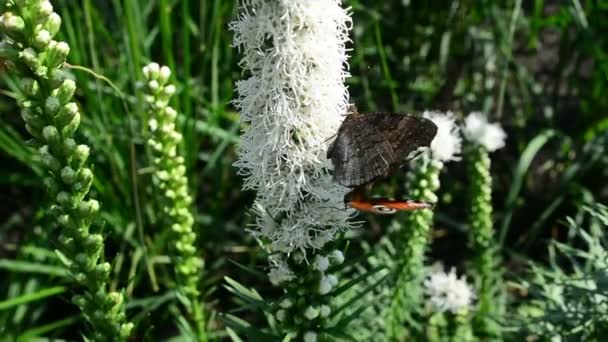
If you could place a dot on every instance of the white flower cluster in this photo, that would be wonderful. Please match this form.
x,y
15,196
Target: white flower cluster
x,y
447,144
291,104
478,129
447,292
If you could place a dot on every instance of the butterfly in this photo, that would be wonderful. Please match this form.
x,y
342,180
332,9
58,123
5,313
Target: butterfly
x,y
371,145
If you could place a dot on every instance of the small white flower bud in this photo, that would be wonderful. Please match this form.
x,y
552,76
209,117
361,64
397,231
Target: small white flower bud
x,y
153,85
286,303
42,39
320,263
11,22
324,311
170,113
310,336
332,279
281,315
53,23
164,74
44,9
311,313
324,286
337,257
169,90
154,69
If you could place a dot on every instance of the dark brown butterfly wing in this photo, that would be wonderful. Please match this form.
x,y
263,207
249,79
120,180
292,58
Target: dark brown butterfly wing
x,y
368,145
359,153
405,133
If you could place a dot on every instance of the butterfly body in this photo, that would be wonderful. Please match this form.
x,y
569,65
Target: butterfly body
x,y
384,206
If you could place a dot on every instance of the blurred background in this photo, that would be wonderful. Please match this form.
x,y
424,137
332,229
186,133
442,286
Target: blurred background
x,y
539,68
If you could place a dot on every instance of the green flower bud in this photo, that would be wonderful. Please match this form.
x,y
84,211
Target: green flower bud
x,y
30,116
72,126
84,179
50,186
125,330
83,261
64,221
79,156
68,175
103,270
88,208
116,298
66,114
30,58
65,200
51,136
53,23
65,241
29,86
80,277
69,145
52,105
79,301
65,92
93,243
56,77
55,210
42,39
56,54
33,131
48,159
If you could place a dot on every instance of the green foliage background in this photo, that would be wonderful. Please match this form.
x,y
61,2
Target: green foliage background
x,y
540,68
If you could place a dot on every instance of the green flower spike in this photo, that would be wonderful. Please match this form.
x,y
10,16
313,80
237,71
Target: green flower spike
x,y
485,138
422,184
172,183
28,28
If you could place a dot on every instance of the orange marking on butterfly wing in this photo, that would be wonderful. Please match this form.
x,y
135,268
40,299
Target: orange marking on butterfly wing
x,y
407,205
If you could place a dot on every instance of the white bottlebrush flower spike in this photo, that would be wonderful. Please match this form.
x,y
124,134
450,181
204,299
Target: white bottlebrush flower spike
x,y
447,144
477,129
447,292
292,104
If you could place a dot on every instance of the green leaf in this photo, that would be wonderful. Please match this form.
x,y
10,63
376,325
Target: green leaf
x,y
31,297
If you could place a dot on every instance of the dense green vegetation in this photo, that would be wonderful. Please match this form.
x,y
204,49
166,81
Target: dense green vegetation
x,y
539,68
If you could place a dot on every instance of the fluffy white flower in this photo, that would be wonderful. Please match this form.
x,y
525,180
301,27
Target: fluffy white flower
x,y
447,292
447,143
280,273
292,103
479,130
